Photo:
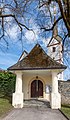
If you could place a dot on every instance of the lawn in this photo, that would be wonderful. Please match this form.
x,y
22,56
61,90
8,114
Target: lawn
x,y
5,106
66,110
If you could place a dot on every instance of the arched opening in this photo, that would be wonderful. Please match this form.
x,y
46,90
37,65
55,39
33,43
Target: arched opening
x,y
36,89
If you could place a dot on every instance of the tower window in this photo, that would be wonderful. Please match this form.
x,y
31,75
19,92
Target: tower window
x,y
53,49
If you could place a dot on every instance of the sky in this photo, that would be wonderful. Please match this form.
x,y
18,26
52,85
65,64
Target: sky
x,y
10,55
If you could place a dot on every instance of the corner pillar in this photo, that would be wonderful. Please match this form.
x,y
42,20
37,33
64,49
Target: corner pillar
x,y
55,95
17,100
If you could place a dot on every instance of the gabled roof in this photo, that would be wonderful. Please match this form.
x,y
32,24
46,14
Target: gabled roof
x,y
57,38
55,35
37,59
24,54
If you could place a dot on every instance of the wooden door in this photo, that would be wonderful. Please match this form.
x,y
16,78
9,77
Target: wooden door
x,y
36,89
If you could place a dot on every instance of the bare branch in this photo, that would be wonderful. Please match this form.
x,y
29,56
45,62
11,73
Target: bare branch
x,y
7,15
1,36
44,3
49,29
16,3
19,24
64,16
64,9
64,39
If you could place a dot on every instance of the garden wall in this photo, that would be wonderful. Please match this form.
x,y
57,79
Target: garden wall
x,y
64,89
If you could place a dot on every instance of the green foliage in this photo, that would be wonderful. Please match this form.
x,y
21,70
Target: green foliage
x,y
66,110
7,83
5,106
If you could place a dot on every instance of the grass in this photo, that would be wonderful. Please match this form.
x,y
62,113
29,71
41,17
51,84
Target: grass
x,y
5,106
66,110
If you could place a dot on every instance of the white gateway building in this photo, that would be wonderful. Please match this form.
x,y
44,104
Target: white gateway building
x,y
37,77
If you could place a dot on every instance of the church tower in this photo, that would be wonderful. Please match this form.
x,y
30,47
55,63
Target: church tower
x,y
55,48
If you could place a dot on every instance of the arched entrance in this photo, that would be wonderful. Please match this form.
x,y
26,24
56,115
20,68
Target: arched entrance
x,y
36,89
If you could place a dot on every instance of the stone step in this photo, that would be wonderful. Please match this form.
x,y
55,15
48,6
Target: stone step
x,y
36,102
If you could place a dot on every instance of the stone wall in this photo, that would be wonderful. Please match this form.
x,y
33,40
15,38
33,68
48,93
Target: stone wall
x,y
64,89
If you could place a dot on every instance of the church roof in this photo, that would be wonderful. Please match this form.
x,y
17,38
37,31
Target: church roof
x,y
55,35
37,59
24,54
57,38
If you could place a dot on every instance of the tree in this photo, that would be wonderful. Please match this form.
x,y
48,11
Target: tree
x,y
21,11
64,7
12,12
61,11
7,83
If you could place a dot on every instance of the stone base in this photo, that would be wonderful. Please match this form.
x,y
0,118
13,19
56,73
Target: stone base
x,y
55,100
17,100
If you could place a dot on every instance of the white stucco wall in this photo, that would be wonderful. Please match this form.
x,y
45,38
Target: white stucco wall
x,y
57,54
23,87
28,77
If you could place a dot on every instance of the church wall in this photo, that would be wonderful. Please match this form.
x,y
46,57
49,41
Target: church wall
x,y
28,78
57,54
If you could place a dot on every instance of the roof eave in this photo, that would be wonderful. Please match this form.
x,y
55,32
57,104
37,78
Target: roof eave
x,y
38,68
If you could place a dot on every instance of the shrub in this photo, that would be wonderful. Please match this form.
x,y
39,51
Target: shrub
x,y
7,83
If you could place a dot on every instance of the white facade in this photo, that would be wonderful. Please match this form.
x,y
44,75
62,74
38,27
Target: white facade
x,y
23,87
55,52
37,77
